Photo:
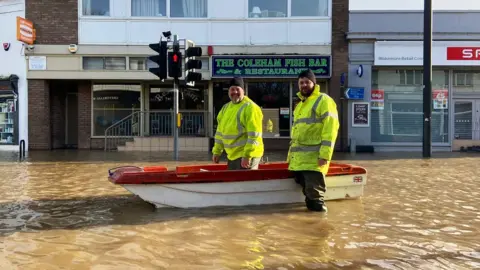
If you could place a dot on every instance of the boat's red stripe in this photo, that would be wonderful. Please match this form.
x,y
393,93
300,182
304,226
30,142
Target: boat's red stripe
x,y
215,173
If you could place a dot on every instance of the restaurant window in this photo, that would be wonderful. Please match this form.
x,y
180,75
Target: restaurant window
x,y
111,104
397,107
274,99
192,104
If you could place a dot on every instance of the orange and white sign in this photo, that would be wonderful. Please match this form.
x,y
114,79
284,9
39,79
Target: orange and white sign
x,y
25,31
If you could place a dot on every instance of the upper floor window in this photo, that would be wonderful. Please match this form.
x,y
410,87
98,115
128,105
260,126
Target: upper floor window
x,y
267,8
309,8
188,8
96,7
279,8
178,8
149,8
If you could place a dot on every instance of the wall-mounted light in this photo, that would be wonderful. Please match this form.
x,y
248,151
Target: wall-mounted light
x,y
360,71
6,46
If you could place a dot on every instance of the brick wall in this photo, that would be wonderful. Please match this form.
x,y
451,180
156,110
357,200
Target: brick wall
x,y
339,62
39,125
84,114
55,21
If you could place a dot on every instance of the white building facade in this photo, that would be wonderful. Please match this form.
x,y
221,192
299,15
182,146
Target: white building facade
x,y
268,42
13,78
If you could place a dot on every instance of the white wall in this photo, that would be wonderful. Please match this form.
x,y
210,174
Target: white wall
x,y
13,61
469,5
227,24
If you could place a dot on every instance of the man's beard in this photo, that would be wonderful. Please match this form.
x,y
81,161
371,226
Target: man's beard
x,y
307,93
235,99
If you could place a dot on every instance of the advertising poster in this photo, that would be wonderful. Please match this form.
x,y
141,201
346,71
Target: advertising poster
x,y
440,99
360,114
377,99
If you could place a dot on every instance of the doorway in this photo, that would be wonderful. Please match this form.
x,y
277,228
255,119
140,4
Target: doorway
x,y
467,120
71,120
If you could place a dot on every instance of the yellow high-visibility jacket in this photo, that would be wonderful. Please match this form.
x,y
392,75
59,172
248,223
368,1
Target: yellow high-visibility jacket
x,y
314,132
239,130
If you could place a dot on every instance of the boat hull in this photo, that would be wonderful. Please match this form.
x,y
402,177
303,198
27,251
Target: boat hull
x,y
199,193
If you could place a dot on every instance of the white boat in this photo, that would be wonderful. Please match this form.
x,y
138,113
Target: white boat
x,y
210,185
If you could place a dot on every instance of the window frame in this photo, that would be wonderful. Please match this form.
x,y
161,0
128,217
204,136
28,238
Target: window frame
x,y
167,13
81,15
402,71
92,108
128,13
289,13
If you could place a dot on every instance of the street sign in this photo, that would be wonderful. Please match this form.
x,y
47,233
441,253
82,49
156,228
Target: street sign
x,y
355,93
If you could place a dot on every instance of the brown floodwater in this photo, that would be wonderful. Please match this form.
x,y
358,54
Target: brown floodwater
x,y
59,211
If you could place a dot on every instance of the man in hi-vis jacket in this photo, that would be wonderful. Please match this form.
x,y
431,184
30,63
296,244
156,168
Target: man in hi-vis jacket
x,y
239,130
314,132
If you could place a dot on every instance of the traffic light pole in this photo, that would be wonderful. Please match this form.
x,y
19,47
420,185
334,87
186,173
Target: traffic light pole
x,y
175,119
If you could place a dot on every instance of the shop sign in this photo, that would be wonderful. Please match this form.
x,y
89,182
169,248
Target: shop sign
x,y
360,114
25,31
410,53
377,97
269,66
463,53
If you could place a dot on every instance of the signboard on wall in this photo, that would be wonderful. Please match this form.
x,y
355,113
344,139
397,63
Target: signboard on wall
x,y
269,66
25,31
410,53
377,97
360,114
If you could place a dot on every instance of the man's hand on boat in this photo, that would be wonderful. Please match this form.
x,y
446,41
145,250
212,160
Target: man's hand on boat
x,y
322,162
245,163
216,159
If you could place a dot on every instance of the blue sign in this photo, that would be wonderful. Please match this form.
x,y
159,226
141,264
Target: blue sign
x,y
269,66
355,93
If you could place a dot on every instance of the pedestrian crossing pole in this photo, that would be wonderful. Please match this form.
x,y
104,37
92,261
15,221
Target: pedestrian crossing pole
x,y
427,79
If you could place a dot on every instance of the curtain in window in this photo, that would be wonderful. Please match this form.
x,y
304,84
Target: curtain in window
x,y
87,7
322,7
147,8
194,8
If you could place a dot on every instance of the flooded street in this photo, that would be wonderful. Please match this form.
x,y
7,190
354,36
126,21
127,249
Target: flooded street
x,y
59,211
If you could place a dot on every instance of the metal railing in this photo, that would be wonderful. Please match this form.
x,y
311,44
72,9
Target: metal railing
x,y
155,124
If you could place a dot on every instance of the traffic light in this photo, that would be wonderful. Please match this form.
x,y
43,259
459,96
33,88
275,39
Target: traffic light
x,y
160,59
175,62
192,64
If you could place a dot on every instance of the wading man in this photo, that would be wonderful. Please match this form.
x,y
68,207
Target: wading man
x,y
314,131
239,130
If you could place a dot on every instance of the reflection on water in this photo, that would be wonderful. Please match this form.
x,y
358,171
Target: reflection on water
x,y
416,214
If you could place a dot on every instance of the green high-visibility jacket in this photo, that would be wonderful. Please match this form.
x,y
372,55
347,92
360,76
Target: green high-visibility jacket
x,y
239,130
314,132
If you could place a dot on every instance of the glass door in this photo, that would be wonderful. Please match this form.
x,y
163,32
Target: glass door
x,y
465,120
476,120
